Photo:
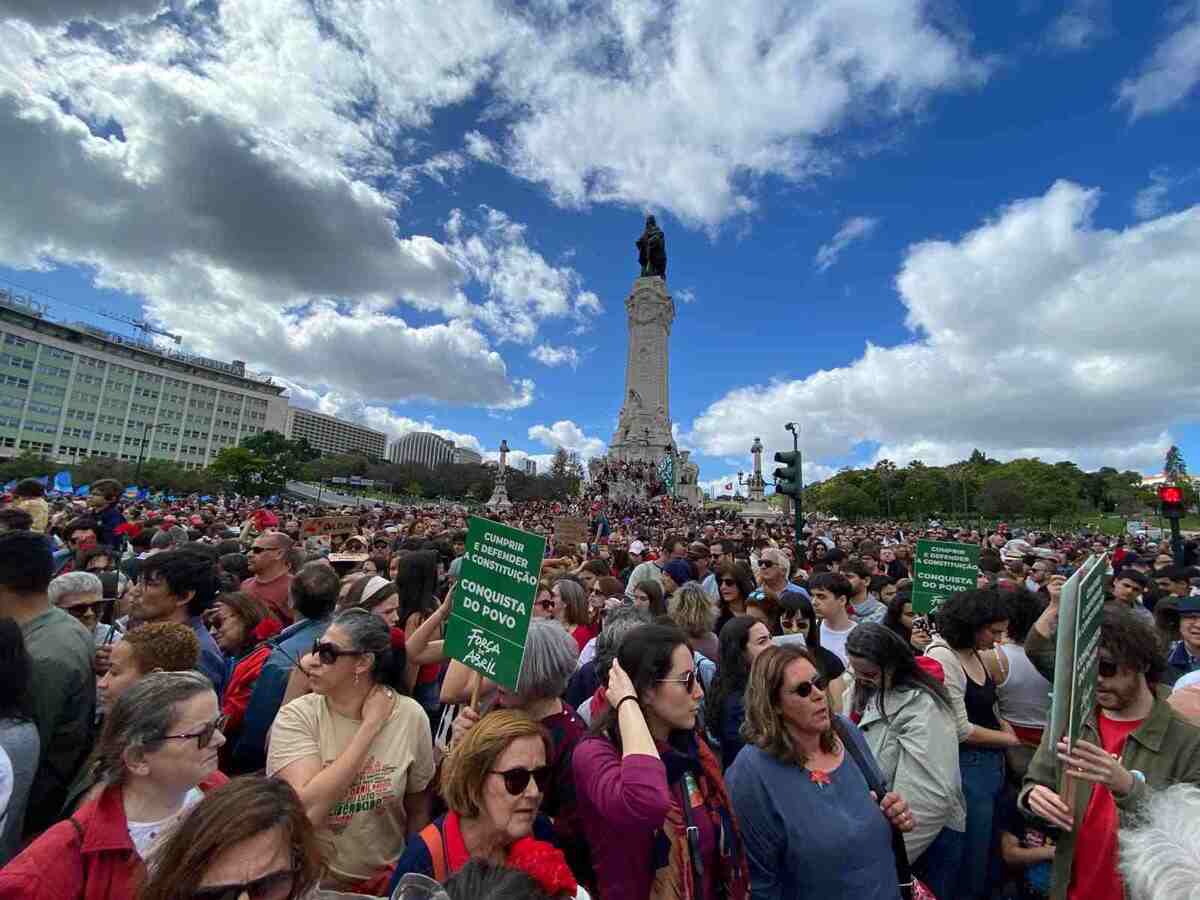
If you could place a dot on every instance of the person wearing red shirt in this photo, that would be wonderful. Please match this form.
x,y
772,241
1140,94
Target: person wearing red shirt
x,y
1131,744
271,581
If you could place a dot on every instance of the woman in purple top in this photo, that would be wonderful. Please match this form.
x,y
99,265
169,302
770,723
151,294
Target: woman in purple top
x,y
654,809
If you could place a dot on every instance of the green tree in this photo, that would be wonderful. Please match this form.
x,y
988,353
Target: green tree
x,y
1001,497
281,460
240,469
1174,467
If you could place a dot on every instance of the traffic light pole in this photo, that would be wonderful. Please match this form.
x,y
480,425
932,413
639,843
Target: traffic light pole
x,y
798,500
1176,541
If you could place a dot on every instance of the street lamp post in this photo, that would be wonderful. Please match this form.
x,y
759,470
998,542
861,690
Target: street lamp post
x,y
137,472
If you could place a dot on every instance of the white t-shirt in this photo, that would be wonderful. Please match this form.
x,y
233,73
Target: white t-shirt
x,y
835,641
145,835
368,822
1189,680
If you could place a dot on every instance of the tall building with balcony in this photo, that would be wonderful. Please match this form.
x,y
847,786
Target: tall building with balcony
x,y
329,434
70,391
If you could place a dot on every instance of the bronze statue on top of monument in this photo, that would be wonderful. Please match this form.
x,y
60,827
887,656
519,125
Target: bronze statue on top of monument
x,y
652,250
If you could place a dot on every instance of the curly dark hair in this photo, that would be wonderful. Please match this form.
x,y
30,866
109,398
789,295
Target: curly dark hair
x,y
1132,643
1024,608
960,617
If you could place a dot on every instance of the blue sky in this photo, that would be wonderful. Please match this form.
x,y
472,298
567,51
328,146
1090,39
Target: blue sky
x,y
917,228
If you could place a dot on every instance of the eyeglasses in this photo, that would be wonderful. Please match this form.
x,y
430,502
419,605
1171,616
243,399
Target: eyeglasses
x,y
79,610
516,780
1107,668
204,736
274,886
728,582
688,680
329,653
546,604
798,622
765,564
804,688
262,549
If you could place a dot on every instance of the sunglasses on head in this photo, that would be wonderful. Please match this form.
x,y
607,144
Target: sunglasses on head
x,y
804,688
204,736
516,780
329,653
1106,668
275,886
687,679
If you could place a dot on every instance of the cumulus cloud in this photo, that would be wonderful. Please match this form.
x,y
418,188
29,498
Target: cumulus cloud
x,y
858,228
54,12
481,147
1171,72
551,356
566,434
1014,359
1151,201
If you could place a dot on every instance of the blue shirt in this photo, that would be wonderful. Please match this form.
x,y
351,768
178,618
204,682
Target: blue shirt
x,y
212,661
250,752
809,841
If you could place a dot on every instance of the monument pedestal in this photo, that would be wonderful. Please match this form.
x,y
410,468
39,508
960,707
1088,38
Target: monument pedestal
x,y
757,508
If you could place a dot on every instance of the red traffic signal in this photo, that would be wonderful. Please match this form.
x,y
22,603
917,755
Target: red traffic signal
x,y
1170,494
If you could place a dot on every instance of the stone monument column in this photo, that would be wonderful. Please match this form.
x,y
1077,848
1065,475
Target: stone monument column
x,y
499,498
757,507
644,426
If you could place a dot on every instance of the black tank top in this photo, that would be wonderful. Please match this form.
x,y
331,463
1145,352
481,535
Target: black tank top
x,y
980,699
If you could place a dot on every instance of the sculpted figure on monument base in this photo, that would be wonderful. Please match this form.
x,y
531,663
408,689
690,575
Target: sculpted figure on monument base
x,y
652,250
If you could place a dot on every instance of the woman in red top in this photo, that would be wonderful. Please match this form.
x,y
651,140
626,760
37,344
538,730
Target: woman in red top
x,y
576,612
241,624
159,743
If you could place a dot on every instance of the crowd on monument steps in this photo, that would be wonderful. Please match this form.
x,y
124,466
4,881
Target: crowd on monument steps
x,y
205,701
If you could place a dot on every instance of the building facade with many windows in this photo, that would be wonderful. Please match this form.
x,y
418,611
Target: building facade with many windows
x,y
422,447
73,391
333,435
466,457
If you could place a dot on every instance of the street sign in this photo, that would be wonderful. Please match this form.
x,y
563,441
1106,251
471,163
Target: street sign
x,y
1080,611
940,569
493,599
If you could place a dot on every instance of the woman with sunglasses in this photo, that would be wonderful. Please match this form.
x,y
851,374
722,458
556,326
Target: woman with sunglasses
x,y
359,754
159,743
82,595
241,624
798,624
735,584
909,724
645,776
811,825
545,604
247,839
493,781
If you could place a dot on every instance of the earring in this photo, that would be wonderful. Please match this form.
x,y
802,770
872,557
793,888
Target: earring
x,y
356,678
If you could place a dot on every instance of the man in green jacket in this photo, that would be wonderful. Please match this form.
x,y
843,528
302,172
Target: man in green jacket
x,y
1132,743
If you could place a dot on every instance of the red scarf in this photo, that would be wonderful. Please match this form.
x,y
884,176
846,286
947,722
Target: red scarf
x,y
542,862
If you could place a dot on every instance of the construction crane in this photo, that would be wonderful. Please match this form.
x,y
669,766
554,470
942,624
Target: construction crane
x,y
140,324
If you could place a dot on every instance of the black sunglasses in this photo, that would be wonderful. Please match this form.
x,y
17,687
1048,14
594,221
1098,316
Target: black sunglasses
x,y
688,680
729,582
80,609
1107,668
546,604
275,886
204,736
765,564
329,653
516,780
804,688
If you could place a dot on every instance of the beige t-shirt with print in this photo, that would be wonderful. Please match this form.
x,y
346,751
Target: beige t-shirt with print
x,y
368,823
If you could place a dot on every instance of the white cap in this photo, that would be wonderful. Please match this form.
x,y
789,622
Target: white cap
x,y
637,547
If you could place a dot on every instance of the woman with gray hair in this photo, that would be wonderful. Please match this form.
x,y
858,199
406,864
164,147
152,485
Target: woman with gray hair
x,y
159,744
357,751
82,595
1160,849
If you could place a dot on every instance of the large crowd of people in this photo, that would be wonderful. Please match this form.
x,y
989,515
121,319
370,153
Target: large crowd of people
x,y
202,701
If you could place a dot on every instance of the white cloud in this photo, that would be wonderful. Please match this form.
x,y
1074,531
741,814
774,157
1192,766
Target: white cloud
x,y
1081,25
727,484
1151,201
1013,359
481,147
437,168
555,356
522,288
568,435
54,12
685,295
1171,72
858,228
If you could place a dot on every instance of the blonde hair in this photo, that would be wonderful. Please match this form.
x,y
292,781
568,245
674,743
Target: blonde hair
x,y
474,757
764,726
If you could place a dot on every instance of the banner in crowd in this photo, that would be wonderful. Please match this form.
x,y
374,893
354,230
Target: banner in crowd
x,y
493,600
940,569
62,482
328,525
571,531
1080,610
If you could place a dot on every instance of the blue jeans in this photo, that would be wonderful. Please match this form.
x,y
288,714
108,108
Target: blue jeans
x,y
982,781
938,867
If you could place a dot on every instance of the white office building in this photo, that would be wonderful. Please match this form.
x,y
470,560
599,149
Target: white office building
x,y
70,391
423,448
330,434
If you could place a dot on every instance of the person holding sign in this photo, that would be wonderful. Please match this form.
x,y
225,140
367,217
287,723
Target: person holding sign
x,y
1132,742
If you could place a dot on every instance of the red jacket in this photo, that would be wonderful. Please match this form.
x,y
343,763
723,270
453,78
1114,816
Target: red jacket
x,y
89,856
241,685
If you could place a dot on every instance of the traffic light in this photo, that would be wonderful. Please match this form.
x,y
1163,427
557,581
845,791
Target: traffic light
x,y
787,476
1170,498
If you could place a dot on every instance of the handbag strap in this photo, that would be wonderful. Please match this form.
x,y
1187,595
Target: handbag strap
x,y
904,875
692,835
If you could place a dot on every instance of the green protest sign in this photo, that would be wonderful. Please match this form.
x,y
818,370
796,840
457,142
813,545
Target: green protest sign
x,y
493,600
940,569
1080,610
